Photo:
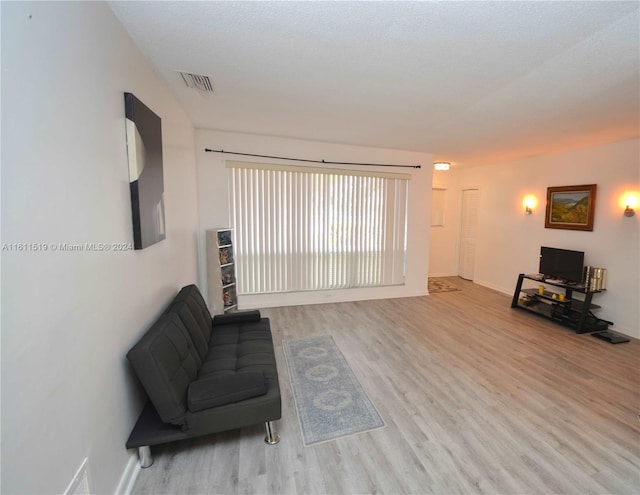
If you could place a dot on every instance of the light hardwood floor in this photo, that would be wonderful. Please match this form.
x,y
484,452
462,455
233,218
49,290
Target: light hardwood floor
x,y
477,398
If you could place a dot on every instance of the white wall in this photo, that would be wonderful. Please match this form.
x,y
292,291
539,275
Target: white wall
x,y
68,318
444,249
214,204
509,241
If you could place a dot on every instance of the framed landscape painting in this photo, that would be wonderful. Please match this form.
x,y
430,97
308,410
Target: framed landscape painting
x,y
570,207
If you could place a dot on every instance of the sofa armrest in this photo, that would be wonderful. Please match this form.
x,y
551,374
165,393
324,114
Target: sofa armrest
x,y
237,317
224,389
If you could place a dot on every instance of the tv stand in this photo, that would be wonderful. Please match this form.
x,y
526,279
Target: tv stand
x,y
570,312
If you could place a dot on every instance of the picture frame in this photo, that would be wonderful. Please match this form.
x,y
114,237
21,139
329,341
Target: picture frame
x,y
146,176
571,207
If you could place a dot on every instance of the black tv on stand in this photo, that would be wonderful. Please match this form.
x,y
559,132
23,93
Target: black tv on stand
x,y
562,264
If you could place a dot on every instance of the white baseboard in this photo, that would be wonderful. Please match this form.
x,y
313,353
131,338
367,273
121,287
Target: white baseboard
x,y
508,292
635,334
129,476
260,301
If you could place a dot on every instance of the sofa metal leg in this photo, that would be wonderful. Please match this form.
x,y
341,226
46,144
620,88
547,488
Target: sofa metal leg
x,y
272,437
144,454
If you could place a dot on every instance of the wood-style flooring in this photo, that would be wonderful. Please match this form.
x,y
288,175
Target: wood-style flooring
x,y
477,398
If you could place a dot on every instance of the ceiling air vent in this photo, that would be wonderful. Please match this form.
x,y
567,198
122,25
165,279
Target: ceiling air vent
x,y
195,81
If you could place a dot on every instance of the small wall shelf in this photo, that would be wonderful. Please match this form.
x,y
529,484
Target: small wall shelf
x,y
221,271
571,312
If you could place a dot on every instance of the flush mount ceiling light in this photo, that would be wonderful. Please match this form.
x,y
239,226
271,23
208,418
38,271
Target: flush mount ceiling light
x,y
441,165
196,81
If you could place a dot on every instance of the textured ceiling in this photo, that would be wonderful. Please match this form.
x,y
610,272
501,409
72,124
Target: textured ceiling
x,y
471,82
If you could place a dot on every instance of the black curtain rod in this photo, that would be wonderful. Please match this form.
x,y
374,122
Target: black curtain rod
x,y
311,161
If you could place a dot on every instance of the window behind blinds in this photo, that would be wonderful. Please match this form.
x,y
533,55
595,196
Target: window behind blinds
x,y
303,228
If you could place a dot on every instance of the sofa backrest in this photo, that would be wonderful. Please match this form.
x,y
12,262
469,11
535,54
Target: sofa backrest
x,y
190,307
166,363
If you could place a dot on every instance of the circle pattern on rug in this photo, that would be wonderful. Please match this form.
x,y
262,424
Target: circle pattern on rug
x,y
313,352
321,373
333,400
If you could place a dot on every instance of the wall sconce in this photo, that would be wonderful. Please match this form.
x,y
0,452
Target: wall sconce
x,y
441,165
630,200
529,202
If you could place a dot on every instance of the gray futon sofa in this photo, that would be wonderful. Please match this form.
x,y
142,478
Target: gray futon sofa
x,y
203,375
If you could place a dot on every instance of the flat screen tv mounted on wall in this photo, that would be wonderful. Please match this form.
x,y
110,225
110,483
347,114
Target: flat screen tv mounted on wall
x,y
562,264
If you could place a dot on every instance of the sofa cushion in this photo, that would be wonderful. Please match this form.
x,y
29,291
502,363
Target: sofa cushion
x,y
238,347
189,305
244,347
225,388
199,348
164,361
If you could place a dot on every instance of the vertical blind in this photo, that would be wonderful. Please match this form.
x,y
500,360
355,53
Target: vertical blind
x,y
304,228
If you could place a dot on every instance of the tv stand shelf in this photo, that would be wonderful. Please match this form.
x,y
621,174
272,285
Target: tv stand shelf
x,y
571,312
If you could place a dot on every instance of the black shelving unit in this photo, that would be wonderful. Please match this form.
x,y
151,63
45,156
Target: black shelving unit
x,y
571,312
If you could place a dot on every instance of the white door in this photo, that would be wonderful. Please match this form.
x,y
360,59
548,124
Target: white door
x,y
470,199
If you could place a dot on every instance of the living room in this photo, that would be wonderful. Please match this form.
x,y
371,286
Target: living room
x,y
68,317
